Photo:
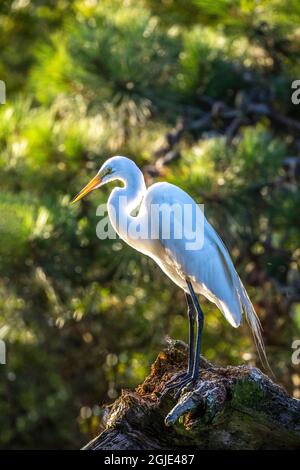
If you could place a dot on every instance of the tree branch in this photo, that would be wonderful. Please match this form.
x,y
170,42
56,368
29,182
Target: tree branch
x,y
228,408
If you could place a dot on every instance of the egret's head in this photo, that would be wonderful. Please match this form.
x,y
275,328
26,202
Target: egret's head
x,y
114,168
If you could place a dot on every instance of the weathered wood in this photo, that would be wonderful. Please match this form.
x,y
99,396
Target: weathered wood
x,y
228,408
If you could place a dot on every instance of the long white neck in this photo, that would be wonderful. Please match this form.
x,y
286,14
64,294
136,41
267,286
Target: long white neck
x,y
123,201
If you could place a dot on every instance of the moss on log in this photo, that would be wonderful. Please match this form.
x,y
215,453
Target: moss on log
x,y
228,408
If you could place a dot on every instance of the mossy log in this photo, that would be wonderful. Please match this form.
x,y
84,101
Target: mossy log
x,y
228,408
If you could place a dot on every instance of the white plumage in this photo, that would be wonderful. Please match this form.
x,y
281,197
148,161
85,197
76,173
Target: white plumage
x,y
209,268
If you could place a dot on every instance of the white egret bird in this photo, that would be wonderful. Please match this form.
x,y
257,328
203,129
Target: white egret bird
x,y
207,270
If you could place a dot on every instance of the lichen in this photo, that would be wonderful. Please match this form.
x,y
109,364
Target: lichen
x,y
247,393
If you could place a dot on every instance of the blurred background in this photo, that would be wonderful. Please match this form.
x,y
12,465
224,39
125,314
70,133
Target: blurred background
x,y
198,93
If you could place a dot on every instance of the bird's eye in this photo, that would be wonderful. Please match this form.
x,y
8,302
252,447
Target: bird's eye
x,y
106,172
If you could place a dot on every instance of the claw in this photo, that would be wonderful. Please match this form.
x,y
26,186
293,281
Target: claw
x,y
184,384
187,380
175,382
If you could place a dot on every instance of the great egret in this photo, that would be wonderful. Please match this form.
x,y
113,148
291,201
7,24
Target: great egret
x,y
208,270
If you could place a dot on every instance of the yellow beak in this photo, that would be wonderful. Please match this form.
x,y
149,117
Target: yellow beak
x,y
88,188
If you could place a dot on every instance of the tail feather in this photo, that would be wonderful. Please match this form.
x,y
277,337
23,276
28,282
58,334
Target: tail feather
x,y
244,300
253,321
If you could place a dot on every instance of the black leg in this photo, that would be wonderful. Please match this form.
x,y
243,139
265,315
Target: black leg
x,y
189,378
175,381
200,322
191,314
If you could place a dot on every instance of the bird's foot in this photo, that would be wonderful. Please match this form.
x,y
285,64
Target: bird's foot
x,y
177,382
184,383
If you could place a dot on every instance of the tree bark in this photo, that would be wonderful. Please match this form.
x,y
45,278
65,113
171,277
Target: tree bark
x,y
228,408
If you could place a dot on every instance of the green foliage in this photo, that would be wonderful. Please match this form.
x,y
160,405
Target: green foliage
x,y
205,67
83,318
16,227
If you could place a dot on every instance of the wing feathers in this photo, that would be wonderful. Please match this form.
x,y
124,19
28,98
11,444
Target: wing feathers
x,y
245,303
